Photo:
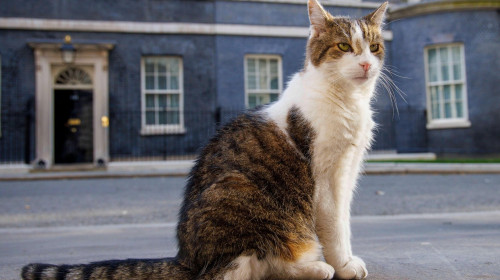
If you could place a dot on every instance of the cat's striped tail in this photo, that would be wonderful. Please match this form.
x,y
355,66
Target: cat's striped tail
x,y
131,269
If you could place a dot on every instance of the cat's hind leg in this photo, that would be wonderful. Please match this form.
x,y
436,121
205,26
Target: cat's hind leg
x,y
305,263
247,268
251,268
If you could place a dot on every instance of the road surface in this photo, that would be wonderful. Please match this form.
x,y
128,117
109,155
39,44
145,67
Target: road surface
x,y
405,226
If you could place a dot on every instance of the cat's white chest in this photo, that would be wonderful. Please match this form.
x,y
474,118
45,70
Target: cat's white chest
x,y
340,132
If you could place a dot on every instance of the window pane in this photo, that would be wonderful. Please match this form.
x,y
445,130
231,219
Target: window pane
x,y
255,100
447,101
174,82
252,81
173,101
455,51
252,101
447,93
264,99
458,92
150,100
150,82
251,65
431,54
150,117
443,54
273,67
447,110
162,82
459,101
433,74
457,72
434,96
162,101
162,117
174,66
173,117
435,111
460,111
162,66
435,103
263,78
150,66
432,64
274,82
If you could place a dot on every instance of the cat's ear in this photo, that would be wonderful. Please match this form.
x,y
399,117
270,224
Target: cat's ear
x,y
377,17
317,16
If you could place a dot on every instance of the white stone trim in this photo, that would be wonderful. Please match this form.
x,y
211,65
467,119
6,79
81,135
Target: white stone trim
x,y
158,27
452,123
338,3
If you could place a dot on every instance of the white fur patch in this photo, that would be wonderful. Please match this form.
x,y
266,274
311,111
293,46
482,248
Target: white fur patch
x,y
74,273
247,268
251,268
357,35
49,273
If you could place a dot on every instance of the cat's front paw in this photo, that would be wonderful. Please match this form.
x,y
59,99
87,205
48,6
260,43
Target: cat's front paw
x,y
353,269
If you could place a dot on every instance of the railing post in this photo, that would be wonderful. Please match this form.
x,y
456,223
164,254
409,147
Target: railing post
x,y
218,116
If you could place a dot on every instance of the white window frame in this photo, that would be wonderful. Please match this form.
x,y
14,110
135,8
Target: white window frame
x,y
263,91
147,129
454,122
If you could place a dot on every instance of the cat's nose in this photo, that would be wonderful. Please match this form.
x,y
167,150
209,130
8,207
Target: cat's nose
x,y
365,65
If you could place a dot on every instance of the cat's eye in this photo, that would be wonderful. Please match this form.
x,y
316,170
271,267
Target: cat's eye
x,y
344,47
374,47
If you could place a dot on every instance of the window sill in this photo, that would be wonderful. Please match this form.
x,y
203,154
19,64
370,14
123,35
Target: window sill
x,y
445,124
163,130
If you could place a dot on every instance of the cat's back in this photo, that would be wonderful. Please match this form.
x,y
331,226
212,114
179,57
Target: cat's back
x,y
248,182
253,145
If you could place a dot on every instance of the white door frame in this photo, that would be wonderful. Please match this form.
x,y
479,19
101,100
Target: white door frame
x,y
47,57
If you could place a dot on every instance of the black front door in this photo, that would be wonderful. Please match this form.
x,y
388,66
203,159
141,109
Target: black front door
x,y
73,129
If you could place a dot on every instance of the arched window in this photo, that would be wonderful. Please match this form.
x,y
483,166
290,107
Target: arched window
x,y
73,76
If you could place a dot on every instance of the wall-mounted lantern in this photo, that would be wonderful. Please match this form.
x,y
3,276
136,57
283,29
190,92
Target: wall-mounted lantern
x,y
68,51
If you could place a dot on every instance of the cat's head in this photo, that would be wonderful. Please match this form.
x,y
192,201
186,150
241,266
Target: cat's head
x,y
349,50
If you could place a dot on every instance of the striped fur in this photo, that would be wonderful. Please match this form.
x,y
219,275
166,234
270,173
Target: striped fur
x,y
146,269
273,188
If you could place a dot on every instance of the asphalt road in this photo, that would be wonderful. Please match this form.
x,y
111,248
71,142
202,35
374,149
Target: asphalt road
x,y
75,221
157,199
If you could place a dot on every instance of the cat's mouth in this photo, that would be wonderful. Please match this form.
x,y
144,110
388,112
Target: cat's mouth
x,y
361,79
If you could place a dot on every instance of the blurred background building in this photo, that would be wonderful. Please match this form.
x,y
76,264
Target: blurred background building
x,y
98,81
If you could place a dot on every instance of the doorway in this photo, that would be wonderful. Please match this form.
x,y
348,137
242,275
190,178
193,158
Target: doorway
x,y
73,128
71,104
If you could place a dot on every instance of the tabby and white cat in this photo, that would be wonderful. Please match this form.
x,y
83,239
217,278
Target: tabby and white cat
x,y
272,190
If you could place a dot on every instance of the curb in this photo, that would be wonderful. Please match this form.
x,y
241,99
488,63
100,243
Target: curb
x,y
181,168
373,168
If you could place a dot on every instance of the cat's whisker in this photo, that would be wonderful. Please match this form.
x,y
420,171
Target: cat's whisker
x,y
394,71
391,88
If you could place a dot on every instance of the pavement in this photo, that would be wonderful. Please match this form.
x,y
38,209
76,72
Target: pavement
x,y
417,247
9,172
